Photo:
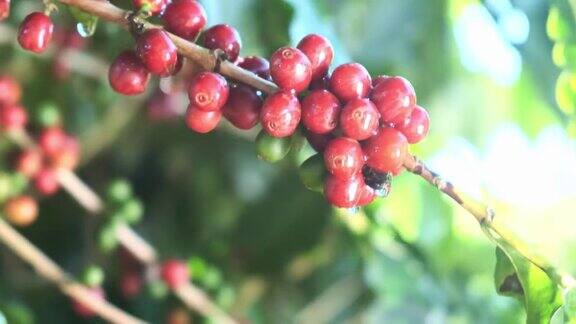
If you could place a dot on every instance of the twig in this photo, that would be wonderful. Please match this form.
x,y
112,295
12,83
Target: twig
x,y
46,268
193,297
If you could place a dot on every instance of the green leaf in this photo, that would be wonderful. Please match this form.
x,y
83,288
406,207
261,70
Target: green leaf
x,y
87,23
517,277
274,23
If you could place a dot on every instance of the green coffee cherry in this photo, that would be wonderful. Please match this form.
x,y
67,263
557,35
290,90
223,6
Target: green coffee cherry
x,y
107,240
132,211
272,149
157,289
19,183
313,172
225,296
93,276
5,186
48,115
119,191
212,278
197,267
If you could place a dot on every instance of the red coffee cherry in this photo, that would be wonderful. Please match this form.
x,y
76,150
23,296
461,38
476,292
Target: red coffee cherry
x,y
130,284
367,196
202,121
280,114
157,52
343,157
174,273
29,162
257,65
350,81
35,32
68,156
4,9
185,18
178,316
52,140
46,182
21,211
127,74
319,141
13,117
359,119
319,51
83,310
379,79
320,110
224,37
291,69
386,151
10,91
344,192
395,99
415,127
153,7
243,107
208,91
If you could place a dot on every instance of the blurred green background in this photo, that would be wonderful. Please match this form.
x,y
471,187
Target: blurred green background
x,y
276,252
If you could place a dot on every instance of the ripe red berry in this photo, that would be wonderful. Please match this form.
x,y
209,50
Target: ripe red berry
x,y
130,284
21,211
385,151
395,99
35,32
208,91
4,9
29,162
46,182
85,311
185,18
280,114
13,117
319,51
350,81
157,52
319,141
320,110
379,79
344,192
153,7
243,107
52,140
291,69
224,37
367,196
10,91
174,273
343,157
202,121
359,119
127,74
257,65
415,127
68,156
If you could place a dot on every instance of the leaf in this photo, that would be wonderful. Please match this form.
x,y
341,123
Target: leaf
x,y
87,23
274,23
517,277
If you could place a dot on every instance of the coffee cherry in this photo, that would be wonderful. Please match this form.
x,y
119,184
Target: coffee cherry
x,y
68,156
415,127
243,107
130,284
367,196
29,162
225,38
257,65
313,173
157,52
208,91
178,316
385,151
93,276
35,32
344,192
320,110
343,157
52,140
127,74
359,119
185,18
85,311
152,7
10,91
202,121
319,141
174,273
280,114
379,79
350,81
319,51
21,211
13,117
272,149
395,99
291,69
4,9
46,182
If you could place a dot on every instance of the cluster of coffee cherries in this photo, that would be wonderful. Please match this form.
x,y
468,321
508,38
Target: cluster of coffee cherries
x,y
39,165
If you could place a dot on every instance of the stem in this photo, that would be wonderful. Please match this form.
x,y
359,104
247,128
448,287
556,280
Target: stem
x,y
46,268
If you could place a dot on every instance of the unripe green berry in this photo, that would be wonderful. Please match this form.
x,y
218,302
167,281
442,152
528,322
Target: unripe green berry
x,y
197,267
132,211
107,240
272,149
157,289
313,173
119,191
5,186
212,278
48,115
19,183
93,276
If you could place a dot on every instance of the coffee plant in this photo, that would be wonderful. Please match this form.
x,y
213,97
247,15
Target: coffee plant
x,y
288,196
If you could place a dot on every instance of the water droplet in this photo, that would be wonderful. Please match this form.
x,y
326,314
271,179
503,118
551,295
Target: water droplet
x,y
85,30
